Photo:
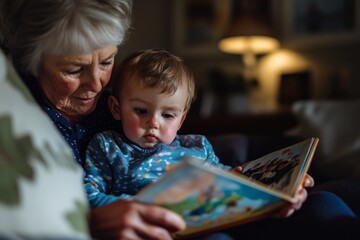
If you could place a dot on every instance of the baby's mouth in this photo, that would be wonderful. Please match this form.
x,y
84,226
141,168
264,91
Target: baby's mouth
x,y
150,138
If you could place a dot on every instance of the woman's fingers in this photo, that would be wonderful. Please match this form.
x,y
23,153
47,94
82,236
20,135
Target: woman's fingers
x,y
308,181
158,219
126,219
290,208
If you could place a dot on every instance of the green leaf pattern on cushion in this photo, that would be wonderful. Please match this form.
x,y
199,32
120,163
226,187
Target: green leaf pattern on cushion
x,y
76,216
16,153
19,153
14,162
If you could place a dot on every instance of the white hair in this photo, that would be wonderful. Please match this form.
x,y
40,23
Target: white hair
x,y
37,27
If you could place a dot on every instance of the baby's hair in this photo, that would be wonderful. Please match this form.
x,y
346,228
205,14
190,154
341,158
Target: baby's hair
x,y
155,69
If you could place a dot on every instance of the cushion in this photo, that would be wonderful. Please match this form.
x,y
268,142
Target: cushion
x,y
336,123
41,191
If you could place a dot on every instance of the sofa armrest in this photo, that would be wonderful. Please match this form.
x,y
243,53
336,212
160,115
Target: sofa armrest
x,y
236,149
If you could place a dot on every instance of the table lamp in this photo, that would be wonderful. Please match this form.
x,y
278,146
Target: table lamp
x,y
249,36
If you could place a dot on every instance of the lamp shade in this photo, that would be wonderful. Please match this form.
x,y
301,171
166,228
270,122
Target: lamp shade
x,y
249,33
254,44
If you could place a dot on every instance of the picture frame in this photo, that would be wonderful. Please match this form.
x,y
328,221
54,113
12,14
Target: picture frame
x,y
198,35
198,25
307,23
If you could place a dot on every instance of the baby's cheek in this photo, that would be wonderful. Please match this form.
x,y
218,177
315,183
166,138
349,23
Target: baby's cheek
x,y
170,134
132,130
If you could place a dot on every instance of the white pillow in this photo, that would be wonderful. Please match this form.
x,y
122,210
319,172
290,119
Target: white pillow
x,y
41,191
337,124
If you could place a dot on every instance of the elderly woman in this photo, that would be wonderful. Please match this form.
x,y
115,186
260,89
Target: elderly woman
x,y
64,50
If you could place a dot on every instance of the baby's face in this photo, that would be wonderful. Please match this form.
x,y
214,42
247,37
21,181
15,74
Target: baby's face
x,y
150,117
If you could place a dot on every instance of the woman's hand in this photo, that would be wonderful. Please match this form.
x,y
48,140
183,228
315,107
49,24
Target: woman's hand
x,y
127,219
300,197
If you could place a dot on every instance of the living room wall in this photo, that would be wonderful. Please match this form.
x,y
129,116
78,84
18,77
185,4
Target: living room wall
x,y
333,62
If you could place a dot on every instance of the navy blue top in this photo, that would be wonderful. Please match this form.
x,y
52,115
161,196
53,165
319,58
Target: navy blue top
x,y
79,136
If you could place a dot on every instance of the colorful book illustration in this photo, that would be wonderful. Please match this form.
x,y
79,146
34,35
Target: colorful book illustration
x,y
210,199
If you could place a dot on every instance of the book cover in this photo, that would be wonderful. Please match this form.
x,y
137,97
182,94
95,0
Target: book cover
x,y
210,199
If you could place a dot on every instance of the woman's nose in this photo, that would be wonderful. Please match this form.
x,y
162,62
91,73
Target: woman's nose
x,y
153,122
95,83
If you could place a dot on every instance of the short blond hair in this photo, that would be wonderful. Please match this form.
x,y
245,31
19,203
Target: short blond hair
x,y
155,69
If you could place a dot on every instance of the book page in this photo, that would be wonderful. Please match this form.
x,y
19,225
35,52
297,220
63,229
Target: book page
x,y
282,170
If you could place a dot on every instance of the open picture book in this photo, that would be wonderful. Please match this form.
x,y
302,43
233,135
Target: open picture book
x,y
210,199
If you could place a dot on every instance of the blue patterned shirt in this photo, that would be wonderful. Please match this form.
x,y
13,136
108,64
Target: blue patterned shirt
x,y
116,168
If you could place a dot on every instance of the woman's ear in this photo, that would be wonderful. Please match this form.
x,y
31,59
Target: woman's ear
x,y
114,106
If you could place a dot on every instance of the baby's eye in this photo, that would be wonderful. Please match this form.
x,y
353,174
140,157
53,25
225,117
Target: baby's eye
x,y
141,111
168,115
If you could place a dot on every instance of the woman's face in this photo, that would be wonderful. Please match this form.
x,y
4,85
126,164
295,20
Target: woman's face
x,y
73,83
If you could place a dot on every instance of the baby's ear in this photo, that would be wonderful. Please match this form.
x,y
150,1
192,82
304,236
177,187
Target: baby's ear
x,y
182,119
114,106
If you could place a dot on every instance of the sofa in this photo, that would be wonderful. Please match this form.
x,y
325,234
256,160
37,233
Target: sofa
x,y
336,163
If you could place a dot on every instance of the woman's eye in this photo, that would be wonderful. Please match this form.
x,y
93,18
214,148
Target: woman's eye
x,y
141,111
107,63
74,71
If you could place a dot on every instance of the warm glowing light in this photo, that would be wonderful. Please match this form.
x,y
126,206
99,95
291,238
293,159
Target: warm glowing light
x,y
253,44
269,71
